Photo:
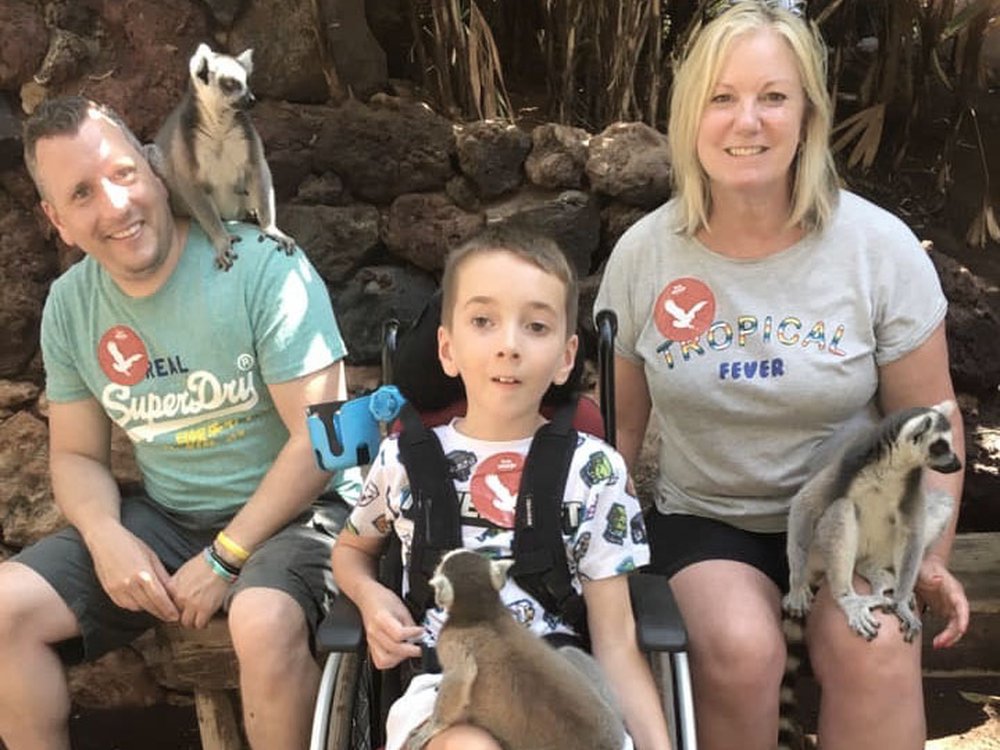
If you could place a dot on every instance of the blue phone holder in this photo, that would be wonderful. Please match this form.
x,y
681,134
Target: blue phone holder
x,y
346,433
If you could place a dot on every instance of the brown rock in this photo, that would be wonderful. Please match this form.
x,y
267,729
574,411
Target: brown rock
x,y
25,40
422,227
26,267
570,217
118,679
287,61
630,161
558,156
27,512
492,155
385,149
335,238
16,395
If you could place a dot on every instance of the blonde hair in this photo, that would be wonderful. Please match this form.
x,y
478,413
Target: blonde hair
x,y
814,180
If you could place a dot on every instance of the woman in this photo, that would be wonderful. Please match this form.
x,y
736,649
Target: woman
x,y
762,311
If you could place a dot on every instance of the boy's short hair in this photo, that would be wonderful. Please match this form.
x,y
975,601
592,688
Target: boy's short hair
x,y
537,249
65,115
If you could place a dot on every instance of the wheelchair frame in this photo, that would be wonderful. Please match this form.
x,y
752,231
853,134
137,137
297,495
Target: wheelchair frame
x,y
659,626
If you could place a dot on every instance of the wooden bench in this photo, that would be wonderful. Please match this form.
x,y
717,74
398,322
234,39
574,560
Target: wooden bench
x,y
201,662
975,561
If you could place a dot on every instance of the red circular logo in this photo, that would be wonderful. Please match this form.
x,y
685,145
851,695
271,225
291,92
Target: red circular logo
x,y
123,356
684,310
494,488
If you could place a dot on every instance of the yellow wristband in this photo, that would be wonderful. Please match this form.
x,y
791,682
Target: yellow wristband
x,y
232,547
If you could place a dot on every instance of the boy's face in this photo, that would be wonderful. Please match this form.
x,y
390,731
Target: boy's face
x,y
507,341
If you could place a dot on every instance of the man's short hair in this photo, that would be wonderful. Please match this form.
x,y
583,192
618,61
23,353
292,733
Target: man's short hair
x,y
65,115
537,249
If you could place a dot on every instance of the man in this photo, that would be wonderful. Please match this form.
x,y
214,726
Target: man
x,y
209,374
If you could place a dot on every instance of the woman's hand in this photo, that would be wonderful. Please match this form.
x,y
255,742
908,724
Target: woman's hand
x,y
943,595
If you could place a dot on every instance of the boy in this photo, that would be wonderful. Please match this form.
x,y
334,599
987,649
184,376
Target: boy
x,y
509,310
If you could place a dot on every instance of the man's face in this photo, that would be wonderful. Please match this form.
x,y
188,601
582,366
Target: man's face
x,y
102,196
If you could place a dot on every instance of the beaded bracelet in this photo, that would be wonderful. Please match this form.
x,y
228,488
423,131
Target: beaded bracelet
x,y
217,568
230,567
233,548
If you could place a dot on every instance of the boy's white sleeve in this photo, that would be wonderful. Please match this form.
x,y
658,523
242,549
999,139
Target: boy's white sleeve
x,y
372,515
611,539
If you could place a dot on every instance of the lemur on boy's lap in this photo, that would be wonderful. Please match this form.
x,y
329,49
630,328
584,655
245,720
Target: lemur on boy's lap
x,y
211,157
498,676
868,512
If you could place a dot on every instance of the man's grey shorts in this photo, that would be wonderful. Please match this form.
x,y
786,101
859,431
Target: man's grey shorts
x,y
295,560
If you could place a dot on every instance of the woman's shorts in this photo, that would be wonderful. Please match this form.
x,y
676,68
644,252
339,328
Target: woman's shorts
x,y
678,540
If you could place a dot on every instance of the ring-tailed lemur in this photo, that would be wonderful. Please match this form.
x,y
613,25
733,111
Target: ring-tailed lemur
x,y
868,512
499,676
211,157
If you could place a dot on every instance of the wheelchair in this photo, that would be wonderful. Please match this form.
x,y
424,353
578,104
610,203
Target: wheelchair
x,y
354,698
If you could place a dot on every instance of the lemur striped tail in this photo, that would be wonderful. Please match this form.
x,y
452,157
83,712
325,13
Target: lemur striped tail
x,y
790,733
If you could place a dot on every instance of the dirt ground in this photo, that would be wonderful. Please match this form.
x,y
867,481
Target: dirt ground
x,y
962,714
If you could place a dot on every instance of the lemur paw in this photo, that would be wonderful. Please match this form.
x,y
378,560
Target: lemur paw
x,y
798,602
285,243
225,255
909,621
859,613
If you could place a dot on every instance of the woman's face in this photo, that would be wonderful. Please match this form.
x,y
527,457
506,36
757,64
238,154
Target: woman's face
x,y
751,125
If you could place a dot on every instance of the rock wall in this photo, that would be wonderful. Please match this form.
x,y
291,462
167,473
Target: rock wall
x,y
375,188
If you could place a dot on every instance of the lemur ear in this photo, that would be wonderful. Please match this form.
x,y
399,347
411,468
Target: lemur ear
x,y
498,572
444,594
199,62
245,59
915,427
946,407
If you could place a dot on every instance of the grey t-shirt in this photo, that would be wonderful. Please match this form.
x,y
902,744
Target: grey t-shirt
x,y
753,365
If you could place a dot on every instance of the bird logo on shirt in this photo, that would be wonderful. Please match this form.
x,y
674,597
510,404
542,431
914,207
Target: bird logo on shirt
x,y
120,362
122,355
683,318
684,309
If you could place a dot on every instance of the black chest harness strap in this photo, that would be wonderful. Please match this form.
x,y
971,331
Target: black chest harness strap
x,y
540,564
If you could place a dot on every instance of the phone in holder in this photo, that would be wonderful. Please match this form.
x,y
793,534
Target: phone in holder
x,y
346,433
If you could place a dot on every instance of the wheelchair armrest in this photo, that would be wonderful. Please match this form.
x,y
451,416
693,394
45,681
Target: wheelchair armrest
x,y
658,622
341,629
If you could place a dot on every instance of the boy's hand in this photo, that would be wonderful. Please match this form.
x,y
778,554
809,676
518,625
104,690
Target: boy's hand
x,y
392,634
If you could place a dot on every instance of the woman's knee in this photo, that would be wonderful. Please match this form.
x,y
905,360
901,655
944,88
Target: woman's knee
x,y
732,616
841,657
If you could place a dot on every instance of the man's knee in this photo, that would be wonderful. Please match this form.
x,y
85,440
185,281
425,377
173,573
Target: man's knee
x,y
31,609
267,627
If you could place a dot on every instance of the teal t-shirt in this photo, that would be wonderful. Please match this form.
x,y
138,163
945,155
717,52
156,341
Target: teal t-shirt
x,y
185,371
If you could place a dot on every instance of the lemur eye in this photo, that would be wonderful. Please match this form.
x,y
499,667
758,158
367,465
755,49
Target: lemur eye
x,y
939,448
229,85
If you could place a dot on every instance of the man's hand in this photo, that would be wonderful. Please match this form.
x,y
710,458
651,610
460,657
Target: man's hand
x,y
198,591
131,573
392,634
945,597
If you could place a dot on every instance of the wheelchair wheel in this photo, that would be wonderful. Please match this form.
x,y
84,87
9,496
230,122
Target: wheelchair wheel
x,y
351,709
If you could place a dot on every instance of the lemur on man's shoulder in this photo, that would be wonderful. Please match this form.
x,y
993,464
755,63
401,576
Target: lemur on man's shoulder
x,y
211,157
869,513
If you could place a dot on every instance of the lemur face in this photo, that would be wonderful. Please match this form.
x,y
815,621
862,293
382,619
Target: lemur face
x,y
929,431
223,78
